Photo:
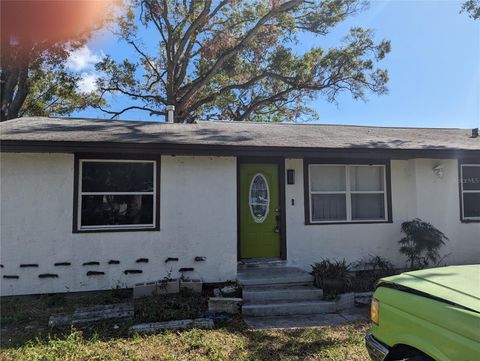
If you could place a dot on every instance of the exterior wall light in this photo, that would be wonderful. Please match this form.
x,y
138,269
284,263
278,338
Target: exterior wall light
x,y
438,170
290,176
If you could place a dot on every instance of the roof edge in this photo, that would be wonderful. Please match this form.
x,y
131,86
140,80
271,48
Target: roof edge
x,y
14,146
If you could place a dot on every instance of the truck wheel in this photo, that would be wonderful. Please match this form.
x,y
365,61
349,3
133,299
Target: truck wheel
x,y
408,354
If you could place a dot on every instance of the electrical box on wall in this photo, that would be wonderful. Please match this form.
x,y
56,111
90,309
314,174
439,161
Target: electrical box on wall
x,y
290,176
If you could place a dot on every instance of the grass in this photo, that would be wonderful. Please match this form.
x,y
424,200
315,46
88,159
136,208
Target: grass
x,y
228,342
25,335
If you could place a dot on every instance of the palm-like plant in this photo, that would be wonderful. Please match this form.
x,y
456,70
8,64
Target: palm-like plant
x,y
421,243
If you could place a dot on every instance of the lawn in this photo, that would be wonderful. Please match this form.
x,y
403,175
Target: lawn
x,y
25,336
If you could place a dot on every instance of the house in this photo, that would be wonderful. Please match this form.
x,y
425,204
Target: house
x,y
89,204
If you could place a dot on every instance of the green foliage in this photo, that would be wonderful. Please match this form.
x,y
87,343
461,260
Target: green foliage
x,y
472,7
35,80
333,277
421,243
54,90
184,305
235,60
368,271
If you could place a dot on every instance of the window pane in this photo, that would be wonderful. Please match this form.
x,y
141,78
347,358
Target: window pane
x,y
117,177
259,190
368,206
471,178
327,178
471,204
103,210
329,207
366,178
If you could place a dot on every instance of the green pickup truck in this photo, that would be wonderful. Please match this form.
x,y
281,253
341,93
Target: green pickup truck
x,y
432,314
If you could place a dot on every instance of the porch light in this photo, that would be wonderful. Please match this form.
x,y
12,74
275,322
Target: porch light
x,y
438,170
290,176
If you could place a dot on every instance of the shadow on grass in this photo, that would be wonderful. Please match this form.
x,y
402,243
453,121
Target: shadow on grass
x,y
231,339
299,343
25,319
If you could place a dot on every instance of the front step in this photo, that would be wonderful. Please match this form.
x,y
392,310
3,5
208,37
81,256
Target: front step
x,y
282,308
280,291
261,263
273,276
261,294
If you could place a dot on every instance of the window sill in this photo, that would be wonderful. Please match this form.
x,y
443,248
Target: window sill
x,y
342,223
470,220
104,230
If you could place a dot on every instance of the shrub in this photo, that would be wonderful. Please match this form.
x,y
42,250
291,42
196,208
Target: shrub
x,y
369,270
421,243
183,305
333,277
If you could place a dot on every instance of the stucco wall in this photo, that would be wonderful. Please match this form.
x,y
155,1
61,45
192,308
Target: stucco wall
x,y
197,218
416,192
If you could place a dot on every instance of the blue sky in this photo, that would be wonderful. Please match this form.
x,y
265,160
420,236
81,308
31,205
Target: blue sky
x,y
434,67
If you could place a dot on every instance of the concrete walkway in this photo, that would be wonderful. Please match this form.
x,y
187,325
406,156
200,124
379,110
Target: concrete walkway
x,y
304,321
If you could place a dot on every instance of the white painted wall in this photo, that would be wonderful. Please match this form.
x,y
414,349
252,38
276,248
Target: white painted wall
x,y
416,192
197,218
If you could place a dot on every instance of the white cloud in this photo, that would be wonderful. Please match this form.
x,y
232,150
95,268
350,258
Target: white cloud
x,y
82,58
87,83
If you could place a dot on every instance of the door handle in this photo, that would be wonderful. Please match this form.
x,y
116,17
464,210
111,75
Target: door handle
x,y
277,219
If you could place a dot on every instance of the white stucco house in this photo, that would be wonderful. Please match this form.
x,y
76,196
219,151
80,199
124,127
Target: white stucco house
x,y
90,205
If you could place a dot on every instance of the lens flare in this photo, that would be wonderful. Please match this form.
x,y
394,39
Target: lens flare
x,y
33,22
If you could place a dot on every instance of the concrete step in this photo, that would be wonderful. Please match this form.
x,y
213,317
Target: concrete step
x,y
273,276
265,294
261,263
282,308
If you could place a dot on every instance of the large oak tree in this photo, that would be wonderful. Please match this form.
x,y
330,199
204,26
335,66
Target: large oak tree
x,y
37,38
241,60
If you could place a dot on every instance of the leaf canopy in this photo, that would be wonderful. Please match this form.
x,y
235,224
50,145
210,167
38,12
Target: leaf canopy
x,y
239,60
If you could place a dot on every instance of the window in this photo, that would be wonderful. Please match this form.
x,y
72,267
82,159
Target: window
x,y
117,194
470,191
259,199
339,193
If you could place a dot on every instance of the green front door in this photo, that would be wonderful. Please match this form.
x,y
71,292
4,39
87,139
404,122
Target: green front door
x,y
259,210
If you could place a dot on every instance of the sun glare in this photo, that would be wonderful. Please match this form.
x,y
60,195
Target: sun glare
x,y
31,22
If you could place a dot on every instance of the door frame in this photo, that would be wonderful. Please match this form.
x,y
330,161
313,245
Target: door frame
x,y
281,189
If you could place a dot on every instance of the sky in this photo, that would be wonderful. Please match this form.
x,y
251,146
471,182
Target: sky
x,y
434,67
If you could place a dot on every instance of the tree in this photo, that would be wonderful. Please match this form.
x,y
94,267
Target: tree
x,y
421,243
39,84
37,39
472,7
236,60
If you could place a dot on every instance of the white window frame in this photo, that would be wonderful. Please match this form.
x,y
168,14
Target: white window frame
x,y
462,192
116,226
348,193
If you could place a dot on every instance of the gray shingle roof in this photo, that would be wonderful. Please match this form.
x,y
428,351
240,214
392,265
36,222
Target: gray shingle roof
x,y
236,134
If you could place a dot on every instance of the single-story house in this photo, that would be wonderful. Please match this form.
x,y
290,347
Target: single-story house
x,y
90,204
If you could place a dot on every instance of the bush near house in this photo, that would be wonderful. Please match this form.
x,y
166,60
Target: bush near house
x,y
338,276
333,277
421,244
369,270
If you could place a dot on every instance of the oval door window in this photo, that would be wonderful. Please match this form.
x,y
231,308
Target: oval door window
x,y
259,198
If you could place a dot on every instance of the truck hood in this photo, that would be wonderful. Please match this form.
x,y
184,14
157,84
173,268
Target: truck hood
x,y
455,284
